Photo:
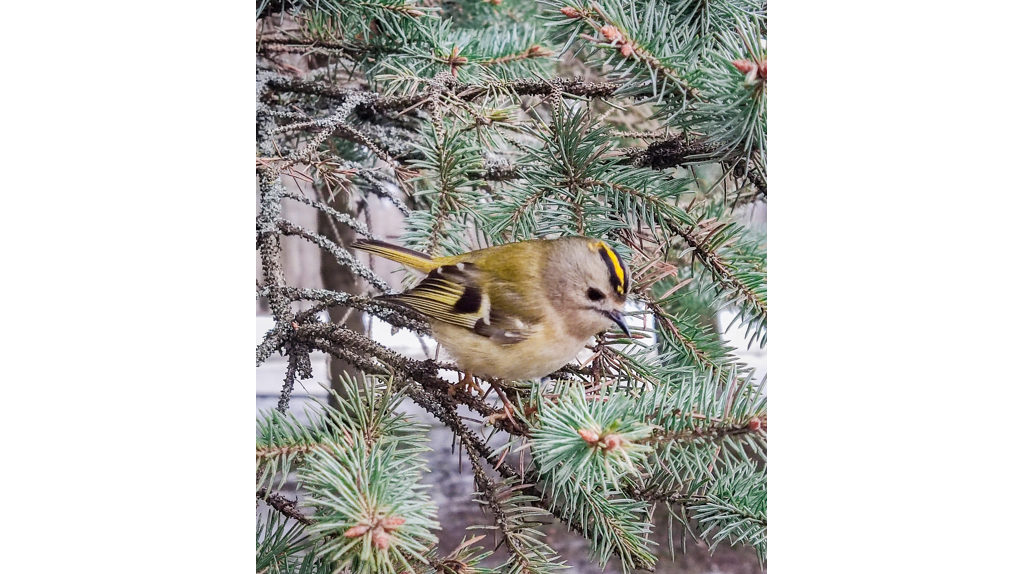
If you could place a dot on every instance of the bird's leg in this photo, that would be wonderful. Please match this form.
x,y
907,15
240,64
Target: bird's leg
x,y
465,384
507,412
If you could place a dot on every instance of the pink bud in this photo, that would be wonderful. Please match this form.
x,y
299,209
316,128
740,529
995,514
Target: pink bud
x,y
380,538
744,66
612,33
356,531
589,436
612,442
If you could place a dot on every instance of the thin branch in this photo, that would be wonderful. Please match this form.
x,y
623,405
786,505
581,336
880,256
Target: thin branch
x,y
718,267
351,50
534,51
753,173
345,218
389,312
717,430
283,505
272,342
342,255
670,153
373,103
298,365
351,346
501,518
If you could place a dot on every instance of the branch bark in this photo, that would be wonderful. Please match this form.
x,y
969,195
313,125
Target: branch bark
x,y
283,505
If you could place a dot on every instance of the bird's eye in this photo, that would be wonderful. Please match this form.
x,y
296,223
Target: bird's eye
x,y
594,294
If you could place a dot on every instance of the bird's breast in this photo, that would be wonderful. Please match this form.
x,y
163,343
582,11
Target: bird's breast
x,y
546,350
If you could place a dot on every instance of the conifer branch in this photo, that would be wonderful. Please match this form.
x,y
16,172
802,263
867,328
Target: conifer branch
x,y
338,216
272,341
516,521
281,504
612,33
699,239
351,50
342,255
438,404
670,153
389,312
269,242
701,347
751,171
716,430
534,51
348,345
298,366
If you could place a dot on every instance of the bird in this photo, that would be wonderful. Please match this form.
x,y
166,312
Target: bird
x,y
515,311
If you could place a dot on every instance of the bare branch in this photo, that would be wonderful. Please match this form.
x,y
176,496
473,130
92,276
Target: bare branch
x,y
283,505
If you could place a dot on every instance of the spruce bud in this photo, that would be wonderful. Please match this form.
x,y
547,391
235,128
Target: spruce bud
x,y
612,33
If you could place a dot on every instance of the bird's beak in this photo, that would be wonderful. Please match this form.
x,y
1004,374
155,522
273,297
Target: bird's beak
x,y
620,320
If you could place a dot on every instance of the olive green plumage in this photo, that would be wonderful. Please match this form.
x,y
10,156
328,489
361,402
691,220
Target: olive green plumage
x,y
520,310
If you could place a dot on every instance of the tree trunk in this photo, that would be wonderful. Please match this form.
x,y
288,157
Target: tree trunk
x,y
340,278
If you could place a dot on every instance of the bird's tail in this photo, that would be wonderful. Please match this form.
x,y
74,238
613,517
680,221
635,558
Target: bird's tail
x,y
412,259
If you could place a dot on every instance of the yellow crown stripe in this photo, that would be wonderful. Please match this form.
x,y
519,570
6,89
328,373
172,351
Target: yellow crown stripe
x,y
620,274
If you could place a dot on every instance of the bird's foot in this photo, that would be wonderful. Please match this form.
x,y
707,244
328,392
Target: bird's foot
x,y
465,384
506,413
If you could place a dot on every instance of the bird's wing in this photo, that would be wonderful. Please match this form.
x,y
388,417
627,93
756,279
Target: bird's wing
x,y
455,294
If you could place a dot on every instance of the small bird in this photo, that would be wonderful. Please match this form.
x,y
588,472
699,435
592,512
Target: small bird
x,y
515,311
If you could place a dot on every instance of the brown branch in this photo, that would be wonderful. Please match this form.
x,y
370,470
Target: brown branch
x,y
575,86
677,151
283,505
718,267
373,103
272,342
358,350
717,430
534,51
299,366
670,153
490,490
309,46
285,84
753,173
272,452
630,50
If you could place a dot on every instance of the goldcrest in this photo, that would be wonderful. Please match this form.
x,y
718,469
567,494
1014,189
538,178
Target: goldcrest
x,y
516,311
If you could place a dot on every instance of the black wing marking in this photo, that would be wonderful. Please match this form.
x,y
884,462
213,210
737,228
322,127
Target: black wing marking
x,y
452,294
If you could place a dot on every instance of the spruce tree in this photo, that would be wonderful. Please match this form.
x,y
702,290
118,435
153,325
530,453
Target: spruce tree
x,y
643,124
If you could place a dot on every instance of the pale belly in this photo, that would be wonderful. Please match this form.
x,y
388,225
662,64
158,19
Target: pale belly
x,y
529,359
